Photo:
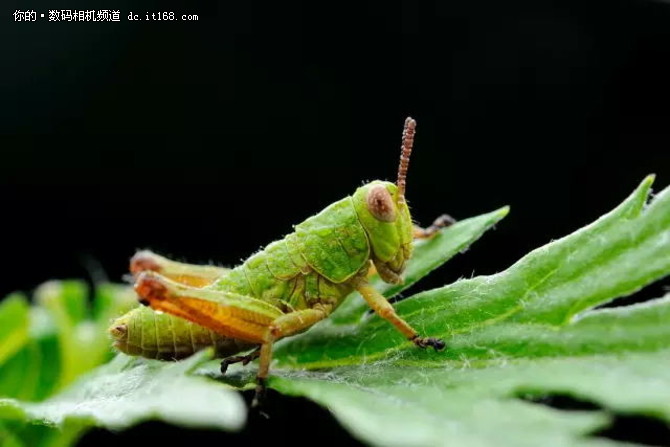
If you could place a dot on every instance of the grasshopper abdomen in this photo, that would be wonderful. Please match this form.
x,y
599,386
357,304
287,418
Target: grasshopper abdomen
x,y
146,333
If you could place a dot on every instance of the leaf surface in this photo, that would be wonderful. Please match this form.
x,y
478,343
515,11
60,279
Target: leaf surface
x,y
128,391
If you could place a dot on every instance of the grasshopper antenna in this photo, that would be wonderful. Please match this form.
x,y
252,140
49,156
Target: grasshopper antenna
x,y
406,151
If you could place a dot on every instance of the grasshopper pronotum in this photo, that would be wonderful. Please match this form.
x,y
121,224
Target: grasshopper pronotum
x,y
285,288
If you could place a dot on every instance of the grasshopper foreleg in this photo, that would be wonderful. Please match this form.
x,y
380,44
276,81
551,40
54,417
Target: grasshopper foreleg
x,y
444,220
384,309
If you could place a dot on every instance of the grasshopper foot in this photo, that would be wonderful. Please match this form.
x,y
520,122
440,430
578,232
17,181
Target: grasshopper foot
x,y
423,342
244,359
444,220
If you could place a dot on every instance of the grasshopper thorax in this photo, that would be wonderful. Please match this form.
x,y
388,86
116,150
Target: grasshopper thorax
x,y
388,225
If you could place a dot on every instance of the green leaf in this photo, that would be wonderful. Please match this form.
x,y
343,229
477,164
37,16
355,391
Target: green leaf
x,y
19,376
13,325
81,332
640,327
8,438
111,301
45,347
456,404
65,302
33,372
128,391
32,435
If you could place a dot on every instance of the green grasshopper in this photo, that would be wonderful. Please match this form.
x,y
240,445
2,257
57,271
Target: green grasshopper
x,y
283,289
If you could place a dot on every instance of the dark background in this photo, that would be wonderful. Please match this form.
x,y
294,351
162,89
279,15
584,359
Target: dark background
x,y
206,140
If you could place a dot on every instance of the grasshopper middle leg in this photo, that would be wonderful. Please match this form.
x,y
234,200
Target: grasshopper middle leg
x,y
244,359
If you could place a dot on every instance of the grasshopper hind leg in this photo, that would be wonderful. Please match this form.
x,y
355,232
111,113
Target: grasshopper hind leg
x,y
244,359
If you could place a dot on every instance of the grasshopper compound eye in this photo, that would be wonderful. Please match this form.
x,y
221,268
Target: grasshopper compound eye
x,y
381,204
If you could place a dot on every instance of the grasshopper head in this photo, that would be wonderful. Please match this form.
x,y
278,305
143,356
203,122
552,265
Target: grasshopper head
x,y
388,224
384,214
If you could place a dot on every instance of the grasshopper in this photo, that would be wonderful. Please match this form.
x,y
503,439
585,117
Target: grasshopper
x,y
283,289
